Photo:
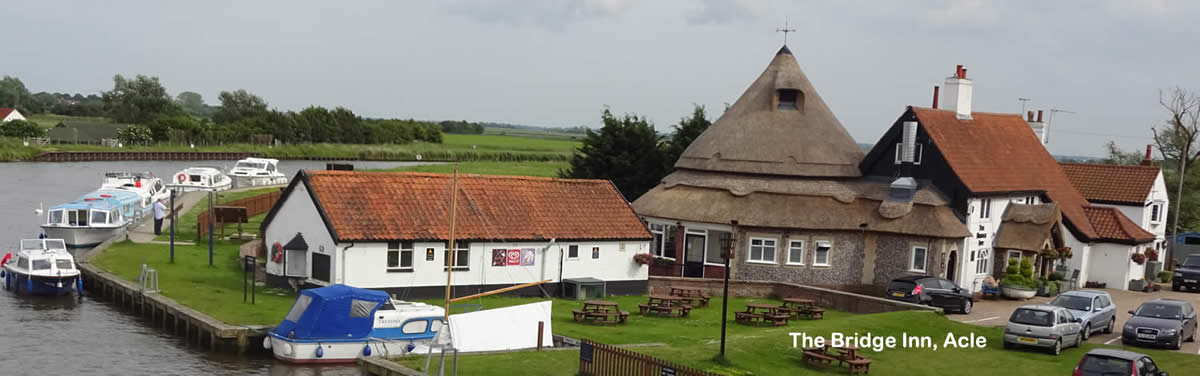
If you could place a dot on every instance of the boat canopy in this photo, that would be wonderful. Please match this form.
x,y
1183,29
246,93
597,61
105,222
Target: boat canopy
x,y
103,199
333,312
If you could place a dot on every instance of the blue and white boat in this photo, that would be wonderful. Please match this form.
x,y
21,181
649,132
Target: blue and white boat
x,y
41,267
339,323
95,217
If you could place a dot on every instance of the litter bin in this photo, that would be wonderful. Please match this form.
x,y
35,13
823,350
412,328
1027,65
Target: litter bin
x,y
1152,269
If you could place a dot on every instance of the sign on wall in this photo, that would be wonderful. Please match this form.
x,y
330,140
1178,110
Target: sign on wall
x,y
527,257
499,256
514,257
595,252
428,254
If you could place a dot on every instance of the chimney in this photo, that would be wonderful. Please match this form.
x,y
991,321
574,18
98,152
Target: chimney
x,y
958,93
1039,127
905,187
1147,161
935,96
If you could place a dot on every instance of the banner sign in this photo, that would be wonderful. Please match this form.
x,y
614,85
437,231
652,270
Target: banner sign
x,y
514,257
498,257
527,257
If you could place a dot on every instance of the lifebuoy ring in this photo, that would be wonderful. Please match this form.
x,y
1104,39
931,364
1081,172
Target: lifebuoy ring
x,y
181,178
277,253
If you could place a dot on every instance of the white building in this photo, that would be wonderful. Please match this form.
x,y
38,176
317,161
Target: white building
x,y
9,114
389,231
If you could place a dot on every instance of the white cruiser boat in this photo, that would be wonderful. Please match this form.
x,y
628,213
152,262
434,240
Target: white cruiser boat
x,y
339,323
145,184
200,179
41,267
94,217
253,172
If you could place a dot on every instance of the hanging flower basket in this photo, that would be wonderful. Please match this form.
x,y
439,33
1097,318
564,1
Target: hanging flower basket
x,y
1138,258
643,258
1151,254
1064,253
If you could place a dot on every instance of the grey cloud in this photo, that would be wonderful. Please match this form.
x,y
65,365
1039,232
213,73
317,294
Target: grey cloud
x,y
554,15
719,12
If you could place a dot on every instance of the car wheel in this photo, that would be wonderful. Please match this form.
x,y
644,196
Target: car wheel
x,y
1087,332
1057,349
1178,342
966,308
1112,323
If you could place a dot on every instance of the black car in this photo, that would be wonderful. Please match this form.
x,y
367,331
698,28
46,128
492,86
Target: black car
x,y
1109,362
1161,322
929,290
1187,274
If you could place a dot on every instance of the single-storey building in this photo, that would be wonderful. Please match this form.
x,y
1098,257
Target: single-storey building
x,y
390,231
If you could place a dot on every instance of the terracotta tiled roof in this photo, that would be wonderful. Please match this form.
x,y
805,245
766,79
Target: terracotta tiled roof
x,y
416,206
999,153
1112,226
4,112
1113,184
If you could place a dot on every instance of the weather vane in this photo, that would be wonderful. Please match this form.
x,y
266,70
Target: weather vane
x,y
785,30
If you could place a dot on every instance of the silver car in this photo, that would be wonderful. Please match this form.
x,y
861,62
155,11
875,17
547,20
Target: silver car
x,y
1095,310
1043,325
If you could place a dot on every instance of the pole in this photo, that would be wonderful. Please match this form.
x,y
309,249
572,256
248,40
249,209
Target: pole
x,y
450,258
725,293
1170,259
541,329
245,291
212,216
172,226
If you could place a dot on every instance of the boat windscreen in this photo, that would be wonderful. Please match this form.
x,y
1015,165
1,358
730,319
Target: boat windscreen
x,y
99,217
31,244
251,165
56,244
56,216
41,264
298,309
64,264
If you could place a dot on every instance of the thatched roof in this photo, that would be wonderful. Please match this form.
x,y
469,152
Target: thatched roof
x,y
755,137
791,203
1026,227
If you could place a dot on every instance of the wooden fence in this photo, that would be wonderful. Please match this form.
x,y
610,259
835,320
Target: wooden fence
x,y
254,206
597,359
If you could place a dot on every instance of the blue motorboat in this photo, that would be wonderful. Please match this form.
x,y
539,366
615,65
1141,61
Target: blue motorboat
x,y
41,267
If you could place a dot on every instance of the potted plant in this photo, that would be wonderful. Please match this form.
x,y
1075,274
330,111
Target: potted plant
x,y
1138,258
1018,280
1137,285
643,258
1064,253
1151,254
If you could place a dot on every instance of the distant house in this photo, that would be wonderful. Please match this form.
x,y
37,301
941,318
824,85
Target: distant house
x,y
390,231
8,114
83,132
1139,192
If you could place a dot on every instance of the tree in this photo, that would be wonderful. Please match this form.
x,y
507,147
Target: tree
x,y
238,104
1121,157
135,135
138,101
1177,140
14,94
192,102
626,151
161,127
20,129
351,130
685,132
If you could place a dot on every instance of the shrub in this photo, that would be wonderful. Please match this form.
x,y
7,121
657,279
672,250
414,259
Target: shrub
x,y
20,129
135,135
1058,276
1026,268
1165,276
642,258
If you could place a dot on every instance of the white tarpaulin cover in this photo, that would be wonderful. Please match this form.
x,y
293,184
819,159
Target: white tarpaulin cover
x,y
508,328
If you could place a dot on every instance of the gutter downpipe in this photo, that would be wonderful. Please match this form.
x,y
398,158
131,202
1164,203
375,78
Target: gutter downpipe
x,y
562,287
343,275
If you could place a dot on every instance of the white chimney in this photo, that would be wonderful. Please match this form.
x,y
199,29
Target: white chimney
x,y
1039,127
958,93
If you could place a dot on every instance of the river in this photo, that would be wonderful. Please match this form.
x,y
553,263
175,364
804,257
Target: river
x,y
69,336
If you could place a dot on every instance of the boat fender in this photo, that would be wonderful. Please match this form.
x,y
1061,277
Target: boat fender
x,y
320,351
410,347
267,342
287,348
79,285
366,350
29,284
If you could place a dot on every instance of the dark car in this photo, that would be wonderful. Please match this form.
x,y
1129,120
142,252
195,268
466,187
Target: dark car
x,y
1161,322
928,290
1109,362
1187,274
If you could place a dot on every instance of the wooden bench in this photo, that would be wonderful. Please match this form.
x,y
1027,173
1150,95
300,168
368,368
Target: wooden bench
x,y
815,357
661,310
860,365
601,317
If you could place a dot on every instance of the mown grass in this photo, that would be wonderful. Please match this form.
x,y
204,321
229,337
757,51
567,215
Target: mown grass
x,y
544,169
215,290
768,351
12,149
185,229
50,120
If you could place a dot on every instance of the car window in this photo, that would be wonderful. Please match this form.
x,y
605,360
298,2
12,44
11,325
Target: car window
x,y
1161,311
1032,317
1064,317
929,284
1147,367
1072,302
1104,302
948,285
1101,365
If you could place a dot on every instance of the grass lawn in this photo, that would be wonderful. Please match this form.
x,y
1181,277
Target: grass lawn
x,y
13,149
215,290
768,351
185,230
527,168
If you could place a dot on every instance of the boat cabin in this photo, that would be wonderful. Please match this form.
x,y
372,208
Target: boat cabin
x,y
44,257
200,178
398,319
256,167
97,209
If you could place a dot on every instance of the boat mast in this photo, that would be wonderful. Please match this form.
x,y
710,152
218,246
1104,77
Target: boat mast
x,y
452,250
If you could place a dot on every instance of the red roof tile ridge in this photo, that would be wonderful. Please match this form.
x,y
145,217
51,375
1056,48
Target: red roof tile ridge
x,y
1109,165
448,175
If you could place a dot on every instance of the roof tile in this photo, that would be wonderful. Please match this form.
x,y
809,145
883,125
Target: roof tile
x,y
1111,225
1115,184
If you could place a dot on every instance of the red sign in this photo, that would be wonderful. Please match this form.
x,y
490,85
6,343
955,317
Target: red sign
x,y
514,257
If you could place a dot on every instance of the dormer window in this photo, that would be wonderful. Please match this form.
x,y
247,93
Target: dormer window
x,y
788,99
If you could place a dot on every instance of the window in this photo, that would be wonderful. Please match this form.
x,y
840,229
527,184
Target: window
x,y
656,246
762,250
984,262
918,259
573,251
23,262
321,265
1029,200
1104,302
298,309
1147,367
400,257
361,308
788,99
462,256
595,252
663,244
985,208
99,217
415,326
64,264
821,254
41,264
1156,213
795,252
713,252
295,262
56,216
918,149
1013,255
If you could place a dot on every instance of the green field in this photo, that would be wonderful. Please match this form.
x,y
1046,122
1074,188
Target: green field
x,y
50,120
185,229
544,169
533,133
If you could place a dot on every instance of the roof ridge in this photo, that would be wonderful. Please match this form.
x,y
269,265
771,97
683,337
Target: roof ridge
x,y
1109,165
447,175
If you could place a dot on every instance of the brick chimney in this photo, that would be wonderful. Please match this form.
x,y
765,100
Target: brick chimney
x,y
958,93
1039,127
1147,161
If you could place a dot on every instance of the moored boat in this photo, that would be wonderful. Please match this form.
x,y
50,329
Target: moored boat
x,y
200,179
339,323
145,184
41,267
93,218
253,172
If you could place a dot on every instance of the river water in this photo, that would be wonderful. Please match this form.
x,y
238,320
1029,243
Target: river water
x,y
69,336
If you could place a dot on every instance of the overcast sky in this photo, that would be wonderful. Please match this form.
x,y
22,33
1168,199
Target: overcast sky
x,y
559,62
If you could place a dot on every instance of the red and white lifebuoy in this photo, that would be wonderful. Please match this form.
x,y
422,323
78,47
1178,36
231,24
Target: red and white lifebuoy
x,y
277,253
181,178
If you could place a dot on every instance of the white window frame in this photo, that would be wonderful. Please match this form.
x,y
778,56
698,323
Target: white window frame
x,y
912,259
985,208
1156,213
400,249
918,149
1009,255
828,253
984,262
762,244
795,244
662,240
568,252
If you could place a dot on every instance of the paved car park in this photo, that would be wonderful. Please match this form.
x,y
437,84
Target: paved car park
x,y
995,312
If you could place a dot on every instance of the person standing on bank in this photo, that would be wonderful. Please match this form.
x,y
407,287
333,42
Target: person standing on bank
x,y
160,212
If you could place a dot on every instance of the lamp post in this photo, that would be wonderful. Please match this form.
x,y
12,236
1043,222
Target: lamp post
x,y
726,253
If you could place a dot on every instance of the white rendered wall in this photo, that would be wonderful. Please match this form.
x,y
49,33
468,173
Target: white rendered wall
x,y
298,214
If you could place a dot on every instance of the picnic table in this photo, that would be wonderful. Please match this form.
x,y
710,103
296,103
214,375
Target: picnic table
x,y
666,306
696,296
800,307
600,312
759,313
843,355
